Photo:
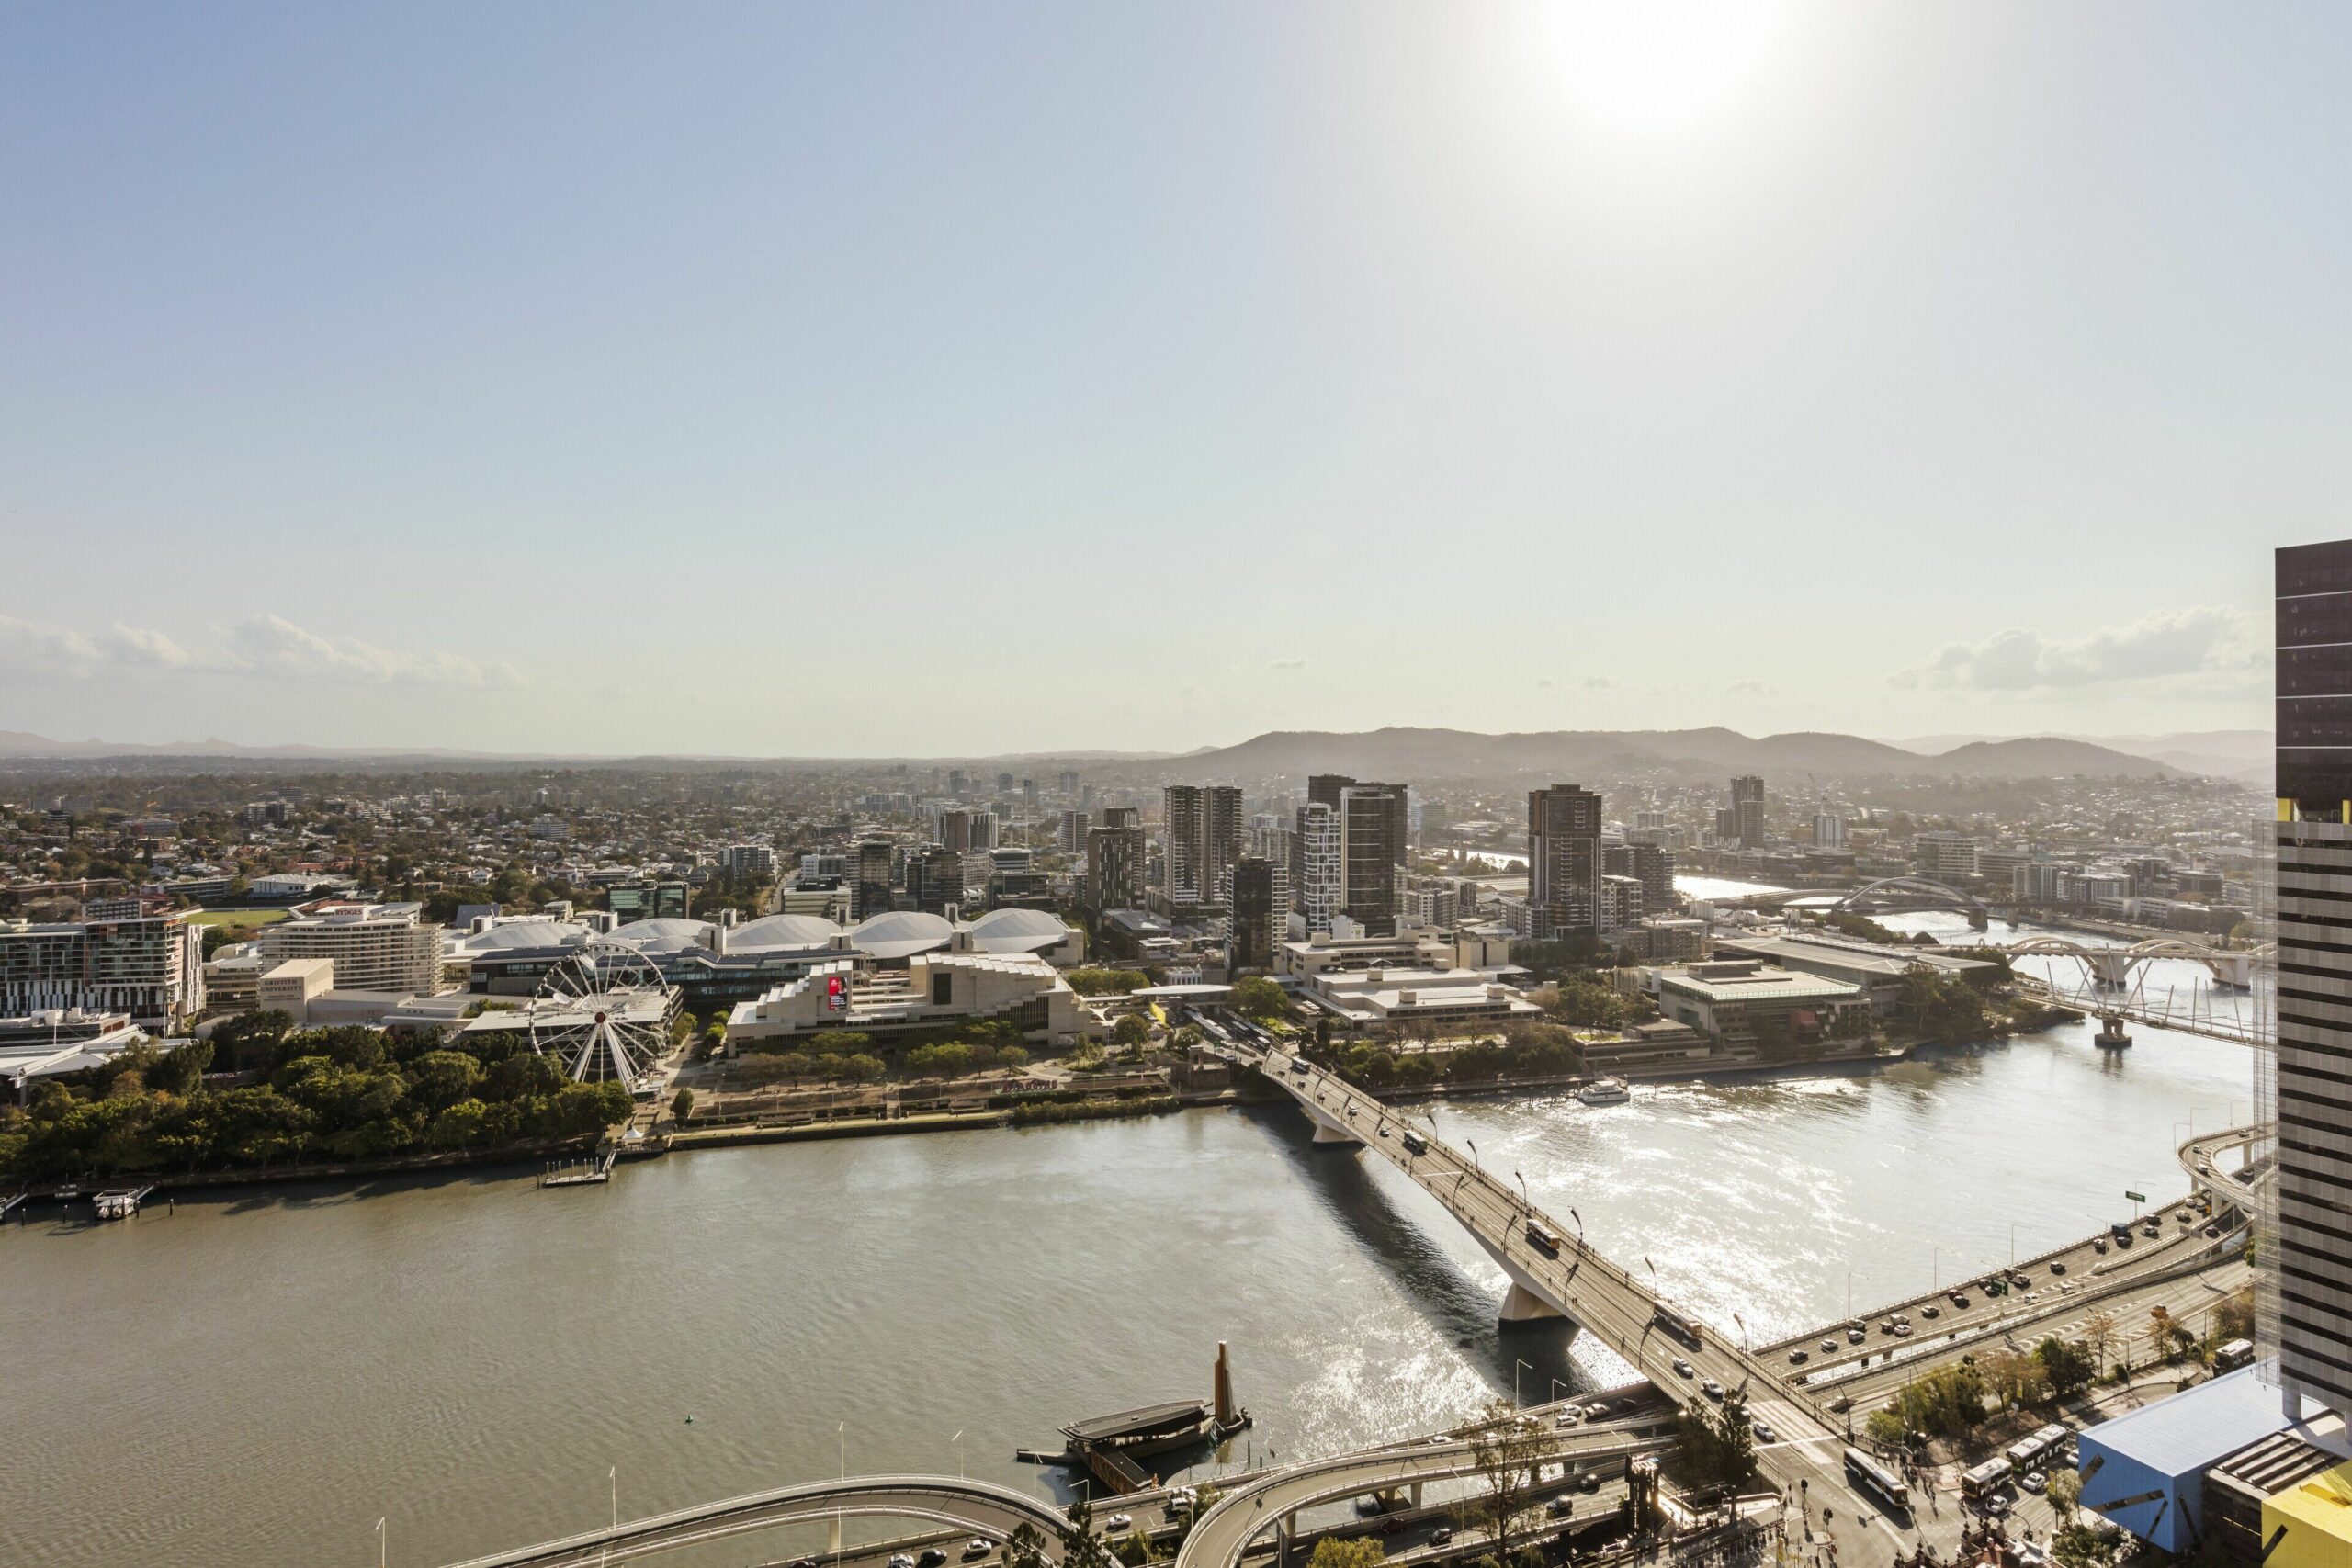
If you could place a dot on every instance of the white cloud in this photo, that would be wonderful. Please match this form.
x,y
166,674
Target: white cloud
x,y
258,645
2201,640
1291,663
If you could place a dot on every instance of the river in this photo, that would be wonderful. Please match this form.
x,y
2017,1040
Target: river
x,y
257,1377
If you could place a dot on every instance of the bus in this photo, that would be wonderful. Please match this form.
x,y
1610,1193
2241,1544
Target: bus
x,y
1985,1478
2028,1453
1543,1240
1877,1480
1416,1143
2234,1355
1683,1328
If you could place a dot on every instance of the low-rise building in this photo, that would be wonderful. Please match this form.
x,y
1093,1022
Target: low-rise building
x,y
1875,967
932,992
1743,1000
293,986
376,947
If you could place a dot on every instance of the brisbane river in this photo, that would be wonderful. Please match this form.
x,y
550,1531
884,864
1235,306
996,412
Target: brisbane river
x,y
257,1378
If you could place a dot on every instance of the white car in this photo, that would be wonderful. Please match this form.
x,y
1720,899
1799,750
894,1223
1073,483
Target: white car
x,y
1120,1522
2033,1481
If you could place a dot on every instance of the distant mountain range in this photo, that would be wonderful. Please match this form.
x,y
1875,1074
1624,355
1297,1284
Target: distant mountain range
x,y
2245,755
1408,754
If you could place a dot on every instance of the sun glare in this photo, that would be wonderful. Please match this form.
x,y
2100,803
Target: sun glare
x,y
1659,67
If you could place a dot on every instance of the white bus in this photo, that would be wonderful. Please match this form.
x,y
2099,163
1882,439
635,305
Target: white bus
x,y
1878,1480
2028,1453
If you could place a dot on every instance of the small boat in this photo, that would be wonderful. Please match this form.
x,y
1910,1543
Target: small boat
x,y
1605,1091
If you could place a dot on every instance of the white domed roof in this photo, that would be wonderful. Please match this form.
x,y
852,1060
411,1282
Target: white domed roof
x,y
774,933
1016,930
664,935
512,936
900,934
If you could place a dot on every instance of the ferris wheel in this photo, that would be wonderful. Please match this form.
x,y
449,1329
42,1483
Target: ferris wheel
x,y
604,1013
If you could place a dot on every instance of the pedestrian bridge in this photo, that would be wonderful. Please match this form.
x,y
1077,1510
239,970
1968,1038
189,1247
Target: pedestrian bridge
x,y
979,1507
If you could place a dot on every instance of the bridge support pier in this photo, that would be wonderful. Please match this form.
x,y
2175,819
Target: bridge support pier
x,y
2234,970
1524,1305
1417,1495
833,1536
1328,1129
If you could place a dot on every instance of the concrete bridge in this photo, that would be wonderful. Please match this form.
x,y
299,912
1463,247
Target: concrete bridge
x,y
2114,966
976,1507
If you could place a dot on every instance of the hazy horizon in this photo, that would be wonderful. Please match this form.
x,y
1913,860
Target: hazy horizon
x,y
895,381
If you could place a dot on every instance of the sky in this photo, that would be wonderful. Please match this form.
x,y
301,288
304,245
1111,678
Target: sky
x,y
887,380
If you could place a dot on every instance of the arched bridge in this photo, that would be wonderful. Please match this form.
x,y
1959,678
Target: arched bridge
x,y
976,1506
1890,893
2114,966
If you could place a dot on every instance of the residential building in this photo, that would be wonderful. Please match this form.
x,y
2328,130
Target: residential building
x,y
1374,840
150,968
1943,855
1117,858
935,879
1621,904
1318,884
1202,838
2308,1285
1646,863
1260,912
376,947
1070,837
1563,861
1748,811
1829,830
954,830
748,859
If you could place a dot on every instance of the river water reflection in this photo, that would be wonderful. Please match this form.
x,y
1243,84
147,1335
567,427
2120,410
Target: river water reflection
x,y
259,1377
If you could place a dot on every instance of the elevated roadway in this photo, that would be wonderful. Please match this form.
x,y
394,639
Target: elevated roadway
x,y
976,1507
1272,1500
2201,1157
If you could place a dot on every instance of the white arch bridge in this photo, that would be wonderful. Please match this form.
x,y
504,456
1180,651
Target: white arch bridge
x,y
2114,967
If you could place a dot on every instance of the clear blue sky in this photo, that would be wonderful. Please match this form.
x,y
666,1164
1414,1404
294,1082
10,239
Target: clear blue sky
x,y
874,379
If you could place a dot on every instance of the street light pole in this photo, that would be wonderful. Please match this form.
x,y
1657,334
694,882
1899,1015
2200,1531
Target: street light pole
x,y
1524,1201
1517,1367
1474,1154
383,1543
958,1440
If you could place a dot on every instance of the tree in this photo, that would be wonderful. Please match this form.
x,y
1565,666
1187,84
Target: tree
x,y
2065,1491
2099,1333
1026,1548
1718,1444
1507,1448
2077,1546
2159,1332
1256,997
682,1105
1131,1032
2068,1364
1342,1551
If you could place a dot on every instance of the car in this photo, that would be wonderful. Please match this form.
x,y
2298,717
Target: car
x,y
1589,1482
1855,1337
1959,1298
1560,1508
1683,1369
1764,1434
1120,1522
1566,1418
1829,1347
1931,1312
1798,1358
2033,1481
1903,1331
1391,1525
1439,1536
1710,1388
2057,1268
900,1559
806,1563
2212,1232
980,1546
1994,1504
2099,1245
930,1557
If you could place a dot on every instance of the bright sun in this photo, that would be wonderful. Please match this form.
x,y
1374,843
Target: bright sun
x,y
1660,66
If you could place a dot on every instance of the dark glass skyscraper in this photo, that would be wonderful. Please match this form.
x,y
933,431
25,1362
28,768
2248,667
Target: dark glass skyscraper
x,y
1563,860
2309,1283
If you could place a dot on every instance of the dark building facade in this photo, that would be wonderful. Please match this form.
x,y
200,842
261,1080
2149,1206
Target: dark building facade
x,y
2309,1284
1647,864
1375,837
1116,859
1563,860
870,879
1260,912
